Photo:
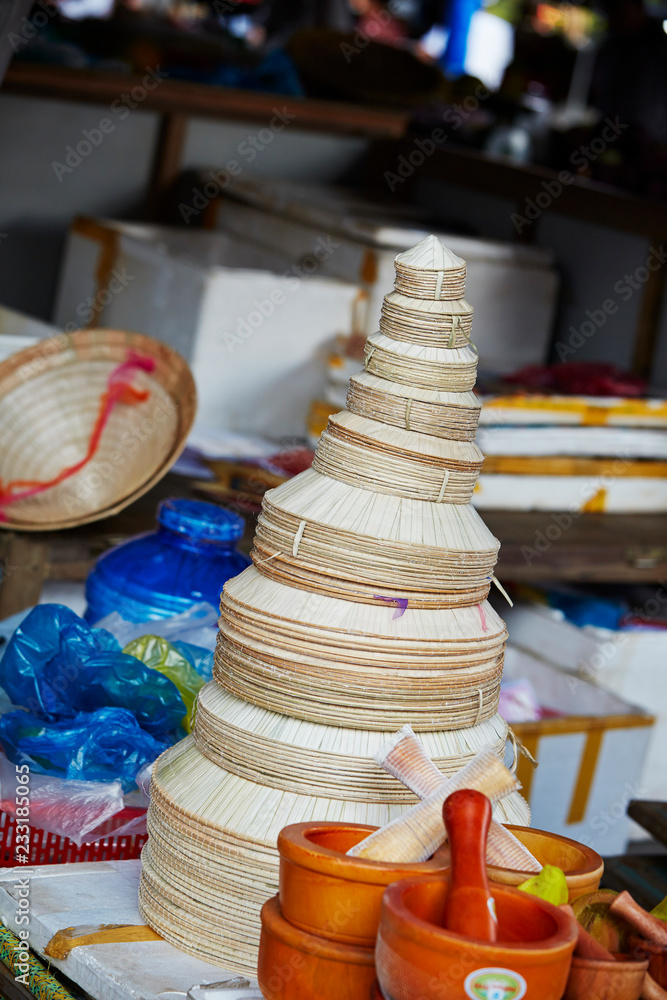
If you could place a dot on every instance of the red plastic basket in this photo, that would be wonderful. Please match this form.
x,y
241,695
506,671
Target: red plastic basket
x,y
52,849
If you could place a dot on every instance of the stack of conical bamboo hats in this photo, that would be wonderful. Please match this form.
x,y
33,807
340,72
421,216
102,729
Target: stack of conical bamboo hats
x,y
365,609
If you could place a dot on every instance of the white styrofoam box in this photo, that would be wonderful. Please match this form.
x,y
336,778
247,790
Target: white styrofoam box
x,y
631,664
590,757
609,442
87,894
512,288
621,495
18,331
254,333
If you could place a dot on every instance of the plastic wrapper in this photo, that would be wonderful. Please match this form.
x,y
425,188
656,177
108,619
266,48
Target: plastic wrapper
x,y
73,809
519,702
194,632
159,654
57,666
107,745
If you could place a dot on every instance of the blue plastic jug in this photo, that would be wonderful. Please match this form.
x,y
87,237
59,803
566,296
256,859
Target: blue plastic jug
x,y
163,573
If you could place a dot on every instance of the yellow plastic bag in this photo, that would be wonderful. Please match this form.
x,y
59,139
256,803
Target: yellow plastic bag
x,y
158,653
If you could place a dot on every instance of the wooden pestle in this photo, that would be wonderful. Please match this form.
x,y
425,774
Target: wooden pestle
x,y
470,908
651,928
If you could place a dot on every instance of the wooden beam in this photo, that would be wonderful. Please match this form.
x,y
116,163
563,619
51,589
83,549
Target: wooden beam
x,y
202,100
585,200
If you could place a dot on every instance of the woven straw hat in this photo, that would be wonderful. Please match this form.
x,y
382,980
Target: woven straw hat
x,y
330,537
452,415
430,322
430,271
375,456
452,370
50,398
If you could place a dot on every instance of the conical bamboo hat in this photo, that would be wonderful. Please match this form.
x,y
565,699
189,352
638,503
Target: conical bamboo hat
x,y
430,271
385,459
312,758
452,370
50,397
326,536
295,614
452,415
430,322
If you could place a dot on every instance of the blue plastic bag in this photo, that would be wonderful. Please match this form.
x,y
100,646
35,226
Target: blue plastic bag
x,y
106,745
57,666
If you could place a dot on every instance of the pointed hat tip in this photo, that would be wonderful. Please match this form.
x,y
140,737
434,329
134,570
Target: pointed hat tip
x,y
430,255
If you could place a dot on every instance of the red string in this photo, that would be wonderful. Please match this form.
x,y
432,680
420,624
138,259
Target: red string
x,y
118,390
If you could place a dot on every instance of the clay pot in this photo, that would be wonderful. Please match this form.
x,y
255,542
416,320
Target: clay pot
x,y
418,959
294,965
337,897
582,866
592,977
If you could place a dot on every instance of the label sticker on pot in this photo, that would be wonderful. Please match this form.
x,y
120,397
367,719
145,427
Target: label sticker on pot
x,y
495,984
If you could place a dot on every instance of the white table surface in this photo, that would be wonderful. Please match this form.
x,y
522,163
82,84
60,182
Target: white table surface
x,y
105,892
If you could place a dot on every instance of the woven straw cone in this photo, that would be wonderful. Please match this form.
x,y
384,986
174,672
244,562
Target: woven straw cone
x,y
311,758
321,658
452,415
49,401
364,609
430,271
426,367
384,459
328,537
426,322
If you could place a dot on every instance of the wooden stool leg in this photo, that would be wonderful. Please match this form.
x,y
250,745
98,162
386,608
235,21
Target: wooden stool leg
x,y
24,565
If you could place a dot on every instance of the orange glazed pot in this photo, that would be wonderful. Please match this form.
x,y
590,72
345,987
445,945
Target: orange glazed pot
x,y
582,866
418,959
329,894
294,965
592,977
